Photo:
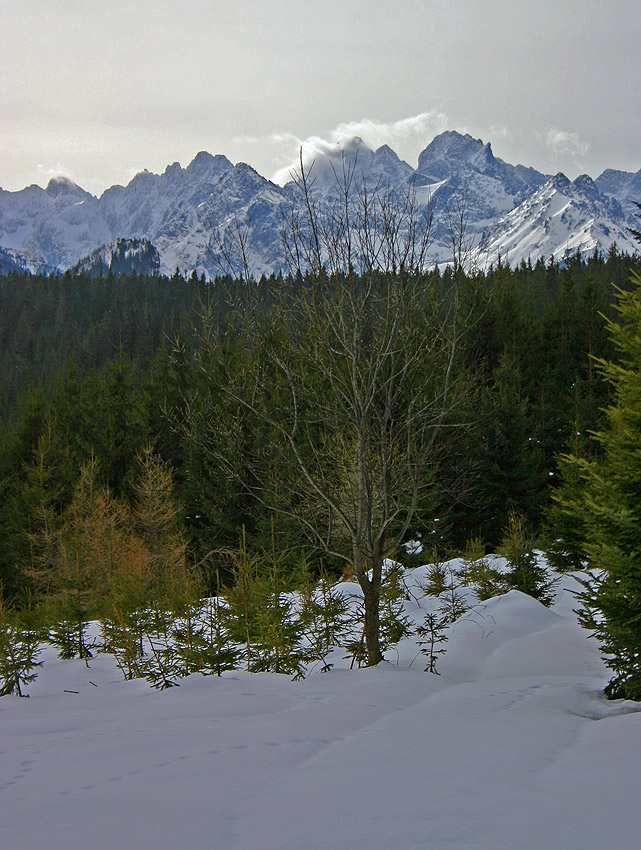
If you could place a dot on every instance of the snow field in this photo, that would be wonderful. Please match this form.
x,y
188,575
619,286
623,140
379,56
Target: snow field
x,y
512,747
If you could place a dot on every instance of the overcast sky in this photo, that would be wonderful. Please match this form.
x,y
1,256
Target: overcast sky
x,y
100,89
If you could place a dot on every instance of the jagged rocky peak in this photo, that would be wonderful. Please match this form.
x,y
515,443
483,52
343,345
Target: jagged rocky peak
x,y
61,185
386,151
143,176
387,157
622,186
484,158
180,208
244,179
244,168
449,150
612,181
560,182
206,163
586,185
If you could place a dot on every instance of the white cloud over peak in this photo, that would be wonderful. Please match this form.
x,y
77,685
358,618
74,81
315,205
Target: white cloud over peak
x,y
47,173
393,133
406,137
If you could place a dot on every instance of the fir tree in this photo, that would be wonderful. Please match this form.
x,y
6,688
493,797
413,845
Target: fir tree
x,y
611,509
431,634
526,573
20,644
323,616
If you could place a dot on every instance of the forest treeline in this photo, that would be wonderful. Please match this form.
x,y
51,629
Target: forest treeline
x,y
106,383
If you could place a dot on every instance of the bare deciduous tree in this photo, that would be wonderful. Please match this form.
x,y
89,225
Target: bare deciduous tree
x,y
230,249
462,242
356,227
350,380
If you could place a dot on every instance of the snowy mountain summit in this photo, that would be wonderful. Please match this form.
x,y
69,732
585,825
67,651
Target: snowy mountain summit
x,y
508,211
559,217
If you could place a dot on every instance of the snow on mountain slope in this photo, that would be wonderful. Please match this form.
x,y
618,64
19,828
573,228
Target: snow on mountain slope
x,y
59,224
512,746
182,211
17,261
624,186
559,218
164,208
187,213
473,185
452,154
355,161
248,201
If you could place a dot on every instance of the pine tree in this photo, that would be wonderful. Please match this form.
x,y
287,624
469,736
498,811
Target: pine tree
x,y
509,463
39,496
564,523
611,509
526,573
431,634
394,624
324,618
20,644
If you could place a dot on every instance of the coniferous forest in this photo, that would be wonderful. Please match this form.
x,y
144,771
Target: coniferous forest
x,y
159,436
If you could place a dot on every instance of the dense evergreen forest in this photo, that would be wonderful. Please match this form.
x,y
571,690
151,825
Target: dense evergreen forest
x,y
124,383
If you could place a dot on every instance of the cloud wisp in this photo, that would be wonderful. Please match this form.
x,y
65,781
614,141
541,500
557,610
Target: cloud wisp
x,y
45,174
400,135
561,143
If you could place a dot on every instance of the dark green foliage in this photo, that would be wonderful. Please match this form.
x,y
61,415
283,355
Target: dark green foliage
x,y
106,368
259,614
394,625
123,635
565,528
609,508
511,470
526,573
437,579
487,580
46,321
324,618
201,640
20,645
431,636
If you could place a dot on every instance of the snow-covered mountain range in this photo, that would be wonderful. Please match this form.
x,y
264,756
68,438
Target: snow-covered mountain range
x,y
507,211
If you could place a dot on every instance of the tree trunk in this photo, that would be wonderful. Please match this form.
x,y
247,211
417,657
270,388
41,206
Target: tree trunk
x,y
372,596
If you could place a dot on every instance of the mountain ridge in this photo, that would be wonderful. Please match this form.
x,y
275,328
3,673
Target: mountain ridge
x,y
507,210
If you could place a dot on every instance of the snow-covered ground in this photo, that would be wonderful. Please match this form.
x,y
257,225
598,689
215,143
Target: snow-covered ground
x,y
512,747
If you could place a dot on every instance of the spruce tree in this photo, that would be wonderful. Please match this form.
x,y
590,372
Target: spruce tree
x,y
525,572
611,509
20,645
